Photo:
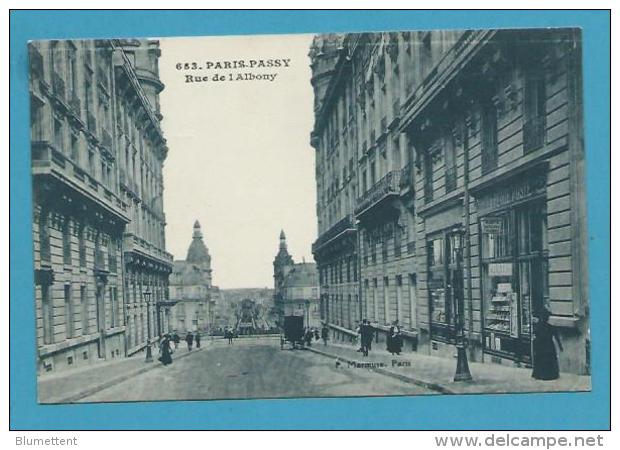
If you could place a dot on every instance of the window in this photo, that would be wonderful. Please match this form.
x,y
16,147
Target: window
x,y
48,314
58,134
514,276
534,110
75,149
44,238
112,256
84,308
398,237
113,307
489,137
82,245
69,319
436,281
450,161
428,177
66,242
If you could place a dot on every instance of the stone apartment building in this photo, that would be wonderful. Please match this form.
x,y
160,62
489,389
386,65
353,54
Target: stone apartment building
x,y
98,221
296,287
456,161
191,288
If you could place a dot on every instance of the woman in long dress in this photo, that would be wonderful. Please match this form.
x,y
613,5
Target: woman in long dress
x,y
166,354
545,356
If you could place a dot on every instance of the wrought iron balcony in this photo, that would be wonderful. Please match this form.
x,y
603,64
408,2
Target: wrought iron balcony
x,y
346,225
388,186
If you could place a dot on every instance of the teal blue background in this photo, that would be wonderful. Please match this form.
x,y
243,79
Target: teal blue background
x,y
524,411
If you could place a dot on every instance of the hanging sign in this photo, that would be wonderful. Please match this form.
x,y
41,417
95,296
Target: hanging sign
x,y
492,225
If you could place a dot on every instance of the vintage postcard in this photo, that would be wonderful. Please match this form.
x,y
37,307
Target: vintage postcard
x,y
331,215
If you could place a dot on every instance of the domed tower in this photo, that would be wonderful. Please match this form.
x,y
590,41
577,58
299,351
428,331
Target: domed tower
x,y
282,265
198,253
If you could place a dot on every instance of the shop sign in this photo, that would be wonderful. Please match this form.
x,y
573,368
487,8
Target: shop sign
x,y
500,269
492,225
507,195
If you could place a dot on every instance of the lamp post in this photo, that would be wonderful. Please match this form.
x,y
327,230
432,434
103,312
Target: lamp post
x,y
308,313
462,366
147,299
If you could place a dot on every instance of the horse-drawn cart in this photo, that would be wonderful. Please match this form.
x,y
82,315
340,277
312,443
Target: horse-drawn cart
x,y
292,331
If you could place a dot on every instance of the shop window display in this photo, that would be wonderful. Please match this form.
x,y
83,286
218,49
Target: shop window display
x,y
515,285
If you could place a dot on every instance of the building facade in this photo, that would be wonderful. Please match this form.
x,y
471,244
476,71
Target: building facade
x,y
296,288
191,288
483,189
82,213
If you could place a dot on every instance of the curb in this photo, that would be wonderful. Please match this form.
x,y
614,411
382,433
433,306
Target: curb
x,y
74,398
407,379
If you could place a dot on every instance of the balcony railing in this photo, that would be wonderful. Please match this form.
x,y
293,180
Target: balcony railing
x,y
36,60
344,225
58,85
533,134
387,186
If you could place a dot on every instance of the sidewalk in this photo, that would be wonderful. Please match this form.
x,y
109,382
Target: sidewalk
x,y
72,385
437,373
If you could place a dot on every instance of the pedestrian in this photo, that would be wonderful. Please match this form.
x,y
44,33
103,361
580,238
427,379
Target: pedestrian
x,y
367,332
189,338
165,352
230,335
317,336
197,339
325,334
308,337
176,339
394,339
358,336
546,365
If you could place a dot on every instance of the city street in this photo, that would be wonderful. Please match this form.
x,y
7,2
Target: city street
x,y
253,368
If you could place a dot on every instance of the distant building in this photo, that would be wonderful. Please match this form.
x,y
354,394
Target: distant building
x,y
296,287
191,289
262,305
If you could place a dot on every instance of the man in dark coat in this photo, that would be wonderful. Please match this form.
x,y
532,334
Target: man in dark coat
x,y
190,340
176,339
197,338
366,332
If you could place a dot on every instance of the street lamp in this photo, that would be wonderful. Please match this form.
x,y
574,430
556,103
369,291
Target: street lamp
x,y
462,366
308,313
147,299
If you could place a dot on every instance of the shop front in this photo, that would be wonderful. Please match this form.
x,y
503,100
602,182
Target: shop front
x,y
513,265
